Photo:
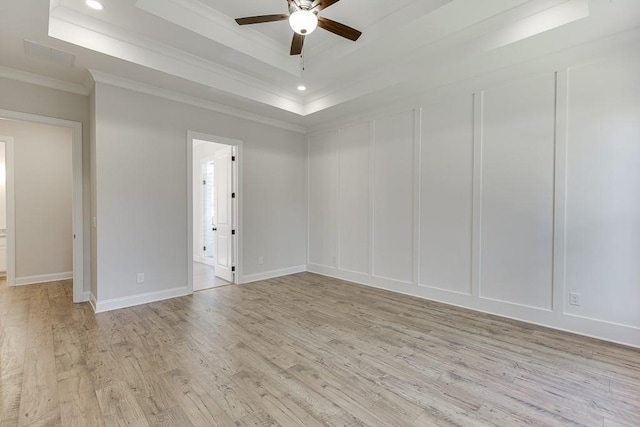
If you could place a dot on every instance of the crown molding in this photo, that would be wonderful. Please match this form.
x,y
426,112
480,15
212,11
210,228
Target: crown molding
x,y
39,80
73,27
208,22
100,77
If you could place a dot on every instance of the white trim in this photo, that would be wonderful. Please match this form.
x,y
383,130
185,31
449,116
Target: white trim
x,y
65,24
236,218
77,199
212,24
476,229
93,301
237,214
272,274
11,212
43,278
112,80
621,334
38,80
86,296
417,189
371,189
559,289
130,301
308,188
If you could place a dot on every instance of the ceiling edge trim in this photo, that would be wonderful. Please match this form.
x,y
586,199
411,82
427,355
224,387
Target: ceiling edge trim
x,y
147,89
620,45
161,58
207,22
39,80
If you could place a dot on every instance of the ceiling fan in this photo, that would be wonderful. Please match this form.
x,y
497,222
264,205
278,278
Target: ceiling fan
x,y
303,19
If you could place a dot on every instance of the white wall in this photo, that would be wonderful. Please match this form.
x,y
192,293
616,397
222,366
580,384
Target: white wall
x,y
43,199
141,201
603,190
502,194
33,99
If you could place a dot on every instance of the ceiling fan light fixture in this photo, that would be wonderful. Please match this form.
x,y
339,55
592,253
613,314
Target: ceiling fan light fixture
x,y
94,4
303,21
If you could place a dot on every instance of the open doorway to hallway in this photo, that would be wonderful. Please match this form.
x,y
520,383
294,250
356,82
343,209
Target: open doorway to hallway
x,y
36,200
213,214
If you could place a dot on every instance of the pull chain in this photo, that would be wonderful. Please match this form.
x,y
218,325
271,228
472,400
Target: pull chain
x,y
301,86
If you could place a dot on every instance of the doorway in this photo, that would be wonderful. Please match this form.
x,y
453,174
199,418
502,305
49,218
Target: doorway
x,y
17,272
3,207
214,208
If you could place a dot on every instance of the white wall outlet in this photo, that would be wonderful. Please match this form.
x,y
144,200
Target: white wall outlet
x,y
260,260
140,278
94,221
574,298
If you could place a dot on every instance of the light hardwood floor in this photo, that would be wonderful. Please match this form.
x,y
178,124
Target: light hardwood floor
x,y
204,277
302,350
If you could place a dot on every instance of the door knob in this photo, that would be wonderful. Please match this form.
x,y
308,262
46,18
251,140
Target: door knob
x,y
214,229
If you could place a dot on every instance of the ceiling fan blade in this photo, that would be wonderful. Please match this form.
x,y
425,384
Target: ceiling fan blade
x,y
296,44
322,4
338,28
260,19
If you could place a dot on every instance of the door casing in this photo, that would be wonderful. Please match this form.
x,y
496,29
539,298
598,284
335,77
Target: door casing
x,y
237,201
77,199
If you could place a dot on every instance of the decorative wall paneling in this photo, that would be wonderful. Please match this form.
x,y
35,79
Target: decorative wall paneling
x,y
505,200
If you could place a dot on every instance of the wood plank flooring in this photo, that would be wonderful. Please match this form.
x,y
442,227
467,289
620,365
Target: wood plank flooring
x,y
302,350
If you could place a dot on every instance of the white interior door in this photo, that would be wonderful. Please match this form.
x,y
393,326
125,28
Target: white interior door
x,y
207,219
223,182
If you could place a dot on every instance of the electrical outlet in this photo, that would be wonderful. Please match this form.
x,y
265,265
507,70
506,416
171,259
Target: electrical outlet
x,y
574,298
94,221
260,260
140,278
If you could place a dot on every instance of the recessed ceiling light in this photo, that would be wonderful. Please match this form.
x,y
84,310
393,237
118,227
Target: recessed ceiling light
x,y
94,4
302,87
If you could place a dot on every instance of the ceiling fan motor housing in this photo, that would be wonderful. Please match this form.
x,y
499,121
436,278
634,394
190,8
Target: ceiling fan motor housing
x,y
303,5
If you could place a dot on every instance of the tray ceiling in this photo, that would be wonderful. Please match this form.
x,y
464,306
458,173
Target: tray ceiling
x,y
194,47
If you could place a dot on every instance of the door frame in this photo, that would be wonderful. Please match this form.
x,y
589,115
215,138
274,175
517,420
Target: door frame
x,y
77,199
237,215
10,209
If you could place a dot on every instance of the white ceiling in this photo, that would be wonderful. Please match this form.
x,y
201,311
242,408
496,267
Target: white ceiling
x,y
195,49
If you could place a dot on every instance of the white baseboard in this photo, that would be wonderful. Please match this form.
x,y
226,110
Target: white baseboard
x,y
272,274
620,334
86,296
92,301
31,280
130,301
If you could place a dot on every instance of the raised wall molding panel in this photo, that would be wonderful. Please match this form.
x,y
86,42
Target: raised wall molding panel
x,y
393,197
446,198
517,188
354,217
